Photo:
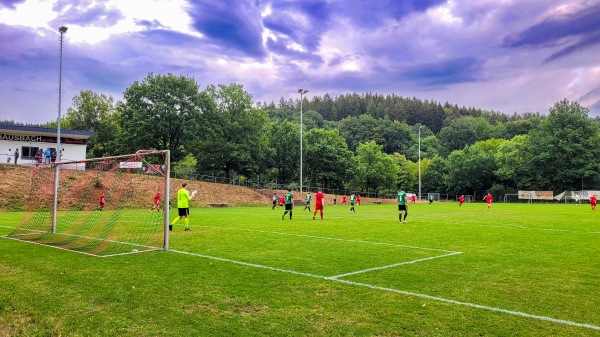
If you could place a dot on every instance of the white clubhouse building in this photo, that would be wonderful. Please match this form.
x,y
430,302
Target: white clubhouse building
x,y
30,139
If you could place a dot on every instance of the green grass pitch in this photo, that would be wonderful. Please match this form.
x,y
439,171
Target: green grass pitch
x,y
515,270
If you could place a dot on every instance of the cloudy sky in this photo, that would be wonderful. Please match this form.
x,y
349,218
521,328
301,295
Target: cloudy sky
x,y
503,55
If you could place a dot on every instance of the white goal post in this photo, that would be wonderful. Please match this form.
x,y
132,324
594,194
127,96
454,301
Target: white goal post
x,y
468,198
100,206
433,196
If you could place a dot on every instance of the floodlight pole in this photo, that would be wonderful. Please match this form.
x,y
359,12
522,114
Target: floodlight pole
x,y
420,126
62,31
301,92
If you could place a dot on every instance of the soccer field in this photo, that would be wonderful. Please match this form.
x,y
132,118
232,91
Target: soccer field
x,y
515,270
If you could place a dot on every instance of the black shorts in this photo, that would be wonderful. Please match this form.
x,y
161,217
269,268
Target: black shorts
x,y
184,211
402,207
288,207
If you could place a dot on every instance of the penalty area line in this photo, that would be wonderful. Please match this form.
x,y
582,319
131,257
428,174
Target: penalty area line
x,y
392,265
328,238
397,291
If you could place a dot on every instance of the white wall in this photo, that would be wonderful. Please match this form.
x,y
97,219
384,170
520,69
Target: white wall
x,y
70,151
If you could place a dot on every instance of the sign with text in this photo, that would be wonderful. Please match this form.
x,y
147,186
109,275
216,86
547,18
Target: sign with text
x,y
40,139
536,195
584,195
130,164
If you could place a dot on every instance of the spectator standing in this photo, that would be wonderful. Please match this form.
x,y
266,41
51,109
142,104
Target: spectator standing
x,y
16,155
9,155
47,155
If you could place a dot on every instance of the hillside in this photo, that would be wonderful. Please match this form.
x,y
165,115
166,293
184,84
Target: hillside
x,y
15,188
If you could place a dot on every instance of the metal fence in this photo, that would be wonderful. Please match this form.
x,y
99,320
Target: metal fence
x,y
270,185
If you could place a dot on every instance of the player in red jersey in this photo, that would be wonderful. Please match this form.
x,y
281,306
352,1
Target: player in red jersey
x,y
282,201
358,199
319,204
156,203
101,201
343,200
488,198
593,200
413,199
461,199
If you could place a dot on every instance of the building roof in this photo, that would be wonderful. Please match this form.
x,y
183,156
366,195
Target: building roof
x,y
36,130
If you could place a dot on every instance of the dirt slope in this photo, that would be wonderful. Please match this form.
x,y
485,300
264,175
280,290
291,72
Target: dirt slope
x,y
15,186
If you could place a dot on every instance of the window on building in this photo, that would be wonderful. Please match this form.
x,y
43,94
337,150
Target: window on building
x,y
28,152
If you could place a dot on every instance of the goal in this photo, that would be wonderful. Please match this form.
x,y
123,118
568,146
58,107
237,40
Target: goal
x,y
433,196
64,209
468,198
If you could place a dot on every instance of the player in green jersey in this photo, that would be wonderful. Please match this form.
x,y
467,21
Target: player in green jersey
x,y
352,201
308,198
289,203
402,205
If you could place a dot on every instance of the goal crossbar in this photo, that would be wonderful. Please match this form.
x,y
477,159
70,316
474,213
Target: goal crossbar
x,y
100,206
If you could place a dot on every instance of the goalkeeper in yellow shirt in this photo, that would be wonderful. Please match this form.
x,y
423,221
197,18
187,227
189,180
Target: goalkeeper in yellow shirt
x,y
183,198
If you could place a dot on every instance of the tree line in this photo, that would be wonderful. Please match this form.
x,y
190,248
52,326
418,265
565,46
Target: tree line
x,y
364,142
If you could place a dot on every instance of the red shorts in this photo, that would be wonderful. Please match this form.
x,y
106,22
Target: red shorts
x,y
318,207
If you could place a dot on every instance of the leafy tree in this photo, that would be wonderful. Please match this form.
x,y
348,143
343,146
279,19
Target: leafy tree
x,y
565,148
396,136
327,158
463,132
470,170
392,135
434,177
284,140
357,130
233,135
513,159
375,169
185,168
430,144
94,112
162,112
406,168
490,145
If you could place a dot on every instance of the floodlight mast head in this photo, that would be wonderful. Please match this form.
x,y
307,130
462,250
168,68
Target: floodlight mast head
x,y
63,29
302,91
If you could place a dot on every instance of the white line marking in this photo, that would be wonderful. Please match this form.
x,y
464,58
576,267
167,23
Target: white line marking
x,y
330,238
408,293
392,265
46,245
474,305
150,248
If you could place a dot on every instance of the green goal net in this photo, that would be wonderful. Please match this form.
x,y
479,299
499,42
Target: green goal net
x,y
103,206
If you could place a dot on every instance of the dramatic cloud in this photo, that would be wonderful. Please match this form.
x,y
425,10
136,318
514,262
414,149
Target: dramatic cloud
x,y
508,56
